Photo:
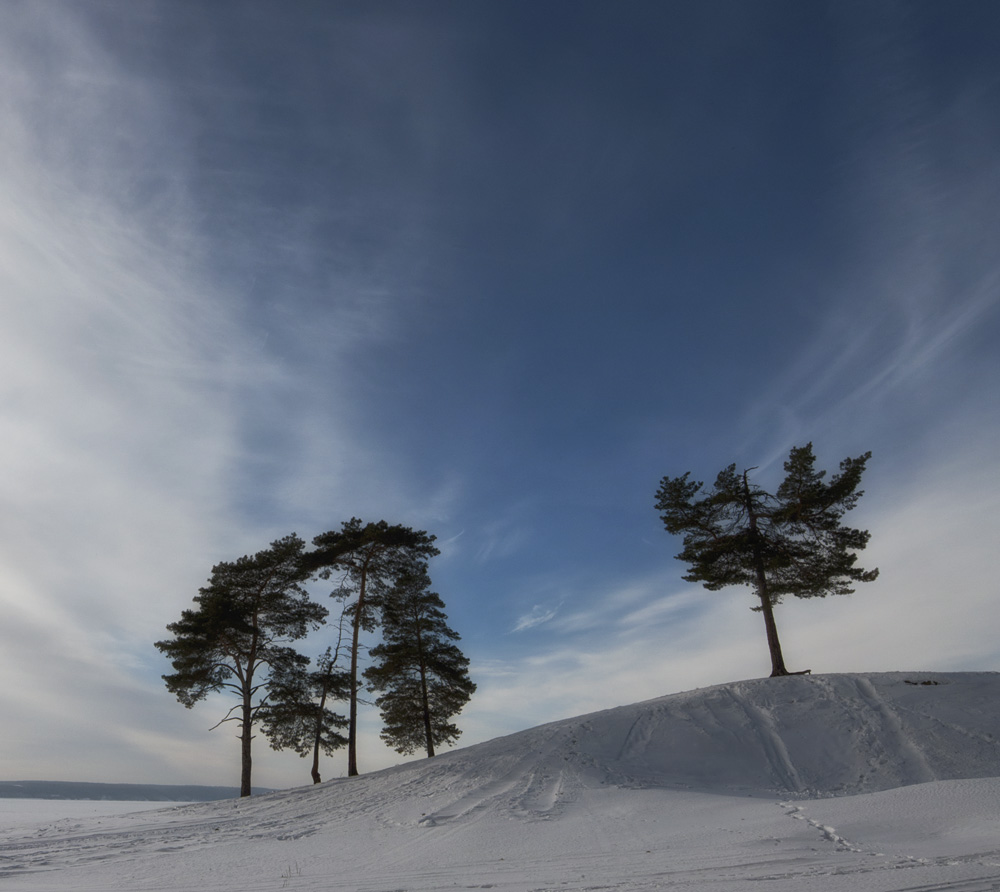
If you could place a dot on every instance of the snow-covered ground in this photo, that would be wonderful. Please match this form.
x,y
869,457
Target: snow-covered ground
x,y
839,782
15,813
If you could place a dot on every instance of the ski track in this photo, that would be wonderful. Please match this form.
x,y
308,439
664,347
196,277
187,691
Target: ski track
x,y
896,740
532,787
765,730
179,831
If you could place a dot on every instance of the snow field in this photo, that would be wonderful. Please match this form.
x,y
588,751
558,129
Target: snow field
x,y
845,782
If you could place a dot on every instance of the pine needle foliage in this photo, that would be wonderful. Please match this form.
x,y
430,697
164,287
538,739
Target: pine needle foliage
x,y
238,638
366,560
422,676
297,715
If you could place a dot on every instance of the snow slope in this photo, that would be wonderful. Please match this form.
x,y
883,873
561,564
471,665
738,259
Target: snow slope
x,y
837,782
815,735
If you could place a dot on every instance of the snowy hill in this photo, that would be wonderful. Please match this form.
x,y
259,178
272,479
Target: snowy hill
x,y
833,782
817,735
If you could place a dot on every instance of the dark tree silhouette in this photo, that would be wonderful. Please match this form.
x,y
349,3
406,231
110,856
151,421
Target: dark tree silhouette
x,y
423,676
367,559
237,639
788,543
297,715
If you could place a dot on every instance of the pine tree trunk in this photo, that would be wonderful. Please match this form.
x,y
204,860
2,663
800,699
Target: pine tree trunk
x,y
315,765
245,737
425,701
767,608
317,740
427,712
773,644
352,728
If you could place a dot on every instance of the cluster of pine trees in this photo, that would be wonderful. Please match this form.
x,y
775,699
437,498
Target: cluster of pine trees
x,y
239,640
789,542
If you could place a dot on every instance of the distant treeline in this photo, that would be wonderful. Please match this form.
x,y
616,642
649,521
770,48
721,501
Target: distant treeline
x,y
117,792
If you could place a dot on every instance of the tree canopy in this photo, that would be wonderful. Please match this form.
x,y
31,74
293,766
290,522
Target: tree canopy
x,y
790,542
238,638
423,676
367,560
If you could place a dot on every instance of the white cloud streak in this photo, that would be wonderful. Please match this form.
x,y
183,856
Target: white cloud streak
x,y
537,616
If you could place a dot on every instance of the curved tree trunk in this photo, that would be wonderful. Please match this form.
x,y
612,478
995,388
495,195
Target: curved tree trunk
x,y
773,644
766,607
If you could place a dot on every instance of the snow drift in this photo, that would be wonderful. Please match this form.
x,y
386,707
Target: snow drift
x,y
721,788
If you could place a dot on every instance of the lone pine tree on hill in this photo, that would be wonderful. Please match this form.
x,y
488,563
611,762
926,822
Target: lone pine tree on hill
x,y
422,675
369,559
787,543
237,640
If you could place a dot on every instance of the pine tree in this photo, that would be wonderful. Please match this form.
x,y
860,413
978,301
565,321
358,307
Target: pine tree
x,y
237,639
368,558
788,543
423,675
297,715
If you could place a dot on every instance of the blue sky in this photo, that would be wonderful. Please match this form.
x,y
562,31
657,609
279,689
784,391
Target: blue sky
x,y
489,270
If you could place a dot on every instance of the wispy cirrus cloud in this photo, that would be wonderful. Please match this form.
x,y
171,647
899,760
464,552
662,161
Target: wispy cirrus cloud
x,y
537,616
117,426
919,279
140,402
